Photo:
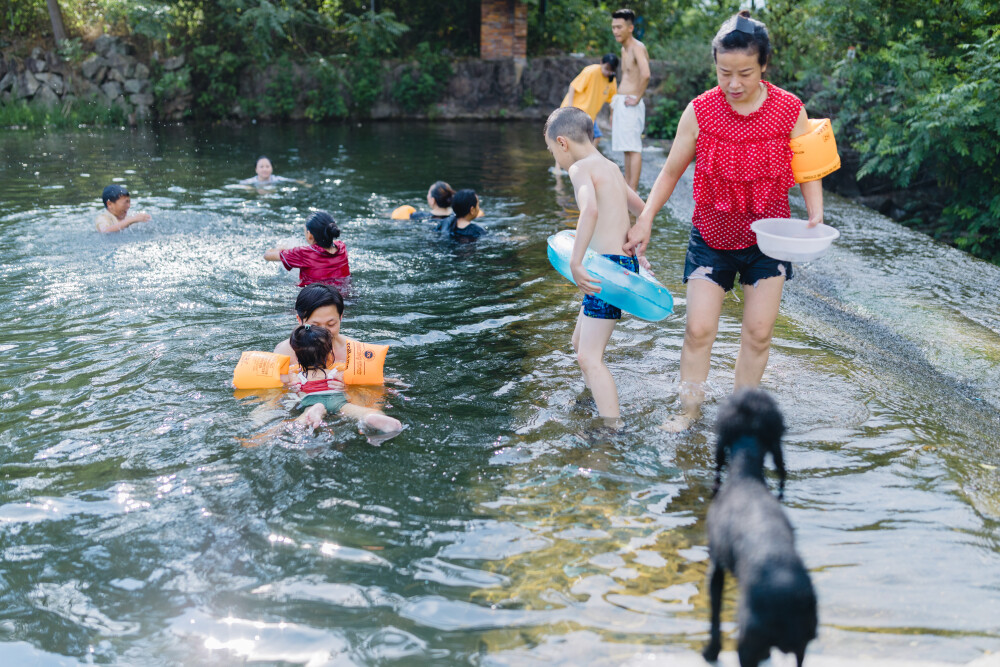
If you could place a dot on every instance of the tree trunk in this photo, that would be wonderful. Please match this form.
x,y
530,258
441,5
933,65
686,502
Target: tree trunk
x,y
58,29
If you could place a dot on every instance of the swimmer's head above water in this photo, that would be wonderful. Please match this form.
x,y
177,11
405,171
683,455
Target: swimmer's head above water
x,y
440,195
264,169
313,346
322,229
116,200
465,204
321,305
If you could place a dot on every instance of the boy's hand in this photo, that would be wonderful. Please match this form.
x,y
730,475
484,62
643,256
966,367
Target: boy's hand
x,y
587,284
644,263
143,217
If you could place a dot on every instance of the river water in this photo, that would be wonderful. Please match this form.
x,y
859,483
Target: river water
x,y
149,516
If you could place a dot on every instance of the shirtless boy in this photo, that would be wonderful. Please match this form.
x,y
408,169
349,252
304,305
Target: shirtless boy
x,y
605,202
115,215
628,111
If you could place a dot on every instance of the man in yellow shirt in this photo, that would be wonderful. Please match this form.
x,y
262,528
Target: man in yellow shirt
x,y
592,88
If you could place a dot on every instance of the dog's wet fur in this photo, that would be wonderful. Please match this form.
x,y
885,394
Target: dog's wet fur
x,y
750,537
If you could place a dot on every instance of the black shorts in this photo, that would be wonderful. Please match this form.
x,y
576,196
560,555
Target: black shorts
x,y
721,266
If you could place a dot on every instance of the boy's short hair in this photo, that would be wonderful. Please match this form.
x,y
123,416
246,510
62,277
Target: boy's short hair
x,y
570,122
463,201
624,13
114,193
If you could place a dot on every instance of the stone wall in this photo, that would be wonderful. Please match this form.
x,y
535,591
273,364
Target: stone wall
x,y
111,76
505,88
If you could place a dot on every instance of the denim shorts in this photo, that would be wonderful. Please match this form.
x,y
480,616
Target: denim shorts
x,y
721,266
594,307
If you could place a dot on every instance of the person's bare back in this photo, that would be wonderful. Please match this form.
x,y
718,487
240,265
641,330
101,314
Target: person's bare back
x,y
611,197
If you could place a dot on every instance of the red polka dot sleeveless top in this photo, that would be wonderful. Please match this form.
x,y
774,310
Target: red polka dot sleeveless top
x,y
743,166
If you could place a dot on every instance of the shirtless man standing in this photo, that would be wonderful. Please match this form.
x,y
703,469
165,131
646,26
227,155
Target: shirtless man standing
x,y
628,111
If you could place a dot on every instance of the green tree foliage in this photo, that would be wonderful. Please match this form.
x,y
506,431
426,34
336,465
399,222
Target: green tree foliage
x,y
423,82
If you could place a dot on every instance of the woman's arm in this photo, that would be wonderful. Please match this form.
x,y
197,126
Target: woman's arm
x,y
812,192
681,154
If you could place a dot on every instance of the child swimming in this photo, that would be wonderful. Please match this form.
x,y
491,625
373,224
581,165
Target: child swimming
x,y
313,346
439,198
605,201
738,134
459,225
323,260
115,217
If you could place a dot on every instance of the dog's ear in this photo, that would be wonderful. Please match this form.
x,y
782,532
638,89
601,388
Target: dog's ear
x,y
720,463
779,464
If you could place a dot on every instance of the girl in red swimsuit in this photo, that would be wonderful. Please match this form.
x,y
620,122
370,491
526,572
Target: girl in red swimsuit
x,y
739,133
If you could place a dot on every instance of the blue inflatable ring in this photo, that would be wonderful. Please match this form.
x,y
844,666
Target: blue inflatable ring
x,y
636,293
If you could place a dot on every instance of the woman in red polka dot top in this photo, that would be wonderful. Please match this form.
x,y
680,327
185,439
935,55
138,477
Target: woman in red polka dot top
x,y
738,135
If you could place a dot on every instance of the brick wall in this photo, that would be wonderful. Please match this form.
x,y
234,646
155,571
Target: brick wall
x,y
503,31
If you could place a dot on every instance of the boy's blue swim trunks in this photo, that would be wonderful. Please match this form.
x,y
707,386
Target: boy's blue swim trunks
x,y
601,310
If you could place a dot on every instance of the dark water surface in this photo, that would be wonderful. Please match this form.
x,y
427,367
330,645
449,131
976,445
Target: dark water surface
x,y
149,517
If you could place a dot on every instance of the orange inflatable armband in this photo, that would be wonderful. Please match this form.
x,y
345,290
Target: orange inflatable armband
x,y
365,363
260,370
814,154
403,212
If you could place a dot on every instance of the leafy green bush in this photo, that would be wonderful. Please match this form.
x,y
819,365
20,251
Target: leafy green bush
x,y
72,114
423,83
373,37
215,75
281,93
662,122
171,84
325,100
945,128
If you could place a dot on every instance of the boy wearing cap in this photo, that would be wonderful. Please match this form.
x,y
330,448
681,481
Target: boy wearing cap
x,y
115,215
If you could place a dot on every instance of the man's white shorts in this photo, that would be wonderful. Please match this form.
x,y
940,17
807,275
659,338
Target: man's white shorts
x,y
627,124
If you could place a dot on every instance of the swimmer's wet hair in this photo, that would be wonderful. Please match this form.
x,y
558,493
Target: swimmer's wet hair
x,y
113,193
742,33
315,296
442,194
312,346
323,228
572,123
624,13
463,202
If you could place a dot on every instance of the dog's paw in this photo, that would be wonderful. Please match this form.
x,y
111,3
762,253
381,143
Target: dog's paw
x,y
711,652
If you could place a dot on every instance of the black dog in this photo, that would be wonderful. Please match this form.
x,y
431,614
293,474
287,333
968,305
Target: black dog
x,y
749,535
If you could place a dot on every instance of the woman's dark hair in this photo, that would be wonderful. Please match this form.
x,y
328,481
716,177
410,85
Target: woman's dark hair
x,y
312,346
263,157
463,202
323,228
315,296
442,194
742,33
610,59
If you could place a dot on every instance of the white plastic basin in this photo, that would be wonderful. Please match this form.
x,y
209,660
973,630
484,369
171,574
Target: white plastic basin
x,y
791,240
